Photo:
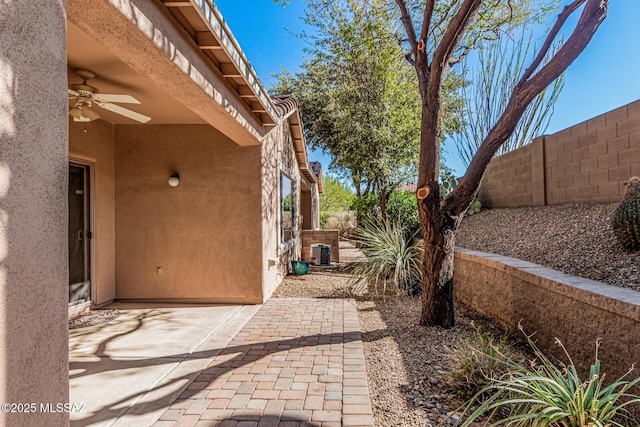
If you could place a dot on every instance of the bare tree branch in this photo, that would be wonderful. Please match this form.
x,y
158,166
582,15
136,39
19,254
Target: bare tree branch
x,y
465,51
562,18
426,21
444,15
408,26
409,58
592,16
431,85
454,32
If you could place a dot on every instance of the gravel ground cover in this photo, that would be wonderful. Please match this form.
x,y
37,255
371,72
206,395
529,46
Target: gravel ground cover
x,y
574,239
407,364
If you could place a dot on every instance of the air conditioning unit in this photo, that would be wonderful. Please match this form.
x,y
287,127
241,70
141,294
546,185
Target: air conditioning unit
x,y
321,254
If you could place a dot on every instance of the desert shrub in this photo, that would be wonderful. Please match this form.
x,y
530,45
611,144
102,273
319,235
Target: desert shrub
x,y
479,359
323,218
545,395
393,261
336,197
345,222
402,209
367,208
448,183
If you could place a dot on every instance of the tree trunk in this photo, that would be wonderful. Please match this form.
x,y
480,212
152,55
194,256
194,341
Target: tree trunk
x,y
439,221
440,231
384,198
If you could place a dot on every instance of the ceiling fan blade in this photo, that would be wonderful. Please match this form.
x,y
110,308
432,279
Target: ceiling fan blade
x,y
73,93
112,97
124,112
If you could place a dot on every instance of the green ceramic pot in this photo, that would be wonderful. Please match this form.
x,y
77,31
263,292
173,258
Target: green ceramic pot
x,y
300,267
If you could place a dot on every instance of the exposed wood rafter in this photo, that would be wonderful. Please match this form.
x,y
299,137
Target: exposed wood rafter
x,y
239,75
207,41
178,3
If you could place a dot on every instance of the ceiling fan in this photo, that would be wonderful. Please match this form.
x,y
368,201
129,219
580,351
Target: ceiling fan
x,y
85,96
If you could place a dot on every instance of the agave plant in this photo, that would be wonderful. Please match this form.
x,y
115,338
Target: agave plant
x,y
549,396
393,260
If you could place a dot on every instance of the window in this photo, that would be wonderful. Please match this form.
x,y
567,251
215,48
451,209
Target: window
x,y
287,209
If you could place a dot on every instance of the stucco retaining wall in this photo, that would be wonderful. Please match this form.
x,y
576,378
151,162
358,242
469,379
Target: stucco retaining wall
x,y
553,304
586,163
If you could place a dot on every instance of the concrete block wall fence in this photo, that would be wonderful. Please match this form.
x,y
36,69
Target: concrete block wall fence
x,y
328,237
586,163
553,305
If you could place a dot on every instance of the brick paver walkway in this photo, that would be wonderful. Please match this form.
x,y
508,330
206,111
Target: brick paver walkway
x,y
298,362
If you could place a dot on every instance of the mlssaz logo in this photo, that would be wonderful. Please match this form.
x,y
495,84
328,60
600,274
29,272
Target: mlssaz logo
x,y
61,407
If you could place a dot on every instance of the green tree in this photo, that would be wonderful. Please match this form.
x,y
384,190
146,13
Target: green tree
x,y
359,96
336,197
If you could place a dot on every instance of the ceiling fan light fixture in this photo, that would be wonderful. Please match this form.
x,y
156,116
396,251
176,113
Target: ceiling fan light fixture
x,y
86,96
88,113
76,113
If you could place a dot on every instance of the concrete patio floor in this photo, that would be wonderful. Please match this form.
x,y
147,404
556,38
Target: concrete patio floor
x,y
129,370
289,362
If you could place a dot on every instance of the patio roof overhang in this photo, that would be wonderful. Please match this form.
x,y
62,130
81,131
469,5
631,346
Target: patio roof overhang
x,y
205,25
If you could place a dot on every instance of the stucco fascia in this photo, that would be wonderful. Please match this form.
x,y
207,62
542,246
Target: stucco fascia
x,y
144,36
33,210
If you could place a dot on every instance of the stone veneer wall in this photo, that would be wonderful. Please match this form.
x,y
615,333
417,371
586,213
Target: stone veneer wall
x,y
329,237
586,163
553,304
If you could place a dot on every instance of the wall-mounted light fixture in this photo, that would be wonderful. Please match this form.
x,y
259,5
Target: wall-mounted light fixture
x,y
174,179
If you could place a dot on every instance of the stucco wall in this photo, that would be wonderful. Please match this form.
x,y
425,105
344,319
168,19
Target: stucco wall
x,y
553,304
315,207
93,142
33,210
306,207
586,163
310,205
199,240
278,156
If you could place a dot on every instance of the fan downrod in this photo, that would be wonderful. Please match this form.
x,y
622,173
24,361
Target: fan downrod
x,y
85,74
84,87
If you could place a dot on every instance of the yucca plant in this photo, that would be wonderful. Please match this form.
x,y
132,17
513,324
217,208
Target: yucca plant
x,y
393,260
545,395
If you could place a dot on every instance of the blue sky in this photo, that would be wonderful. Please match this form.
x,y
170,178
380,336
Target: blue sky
x,y
604,77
